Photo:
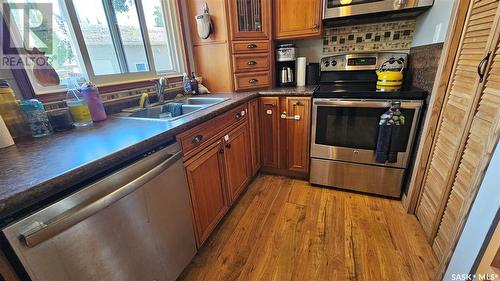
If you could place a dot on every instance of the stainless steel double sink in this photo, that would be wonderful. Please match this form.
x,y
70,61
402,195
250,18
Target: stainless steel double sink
x,y
164,111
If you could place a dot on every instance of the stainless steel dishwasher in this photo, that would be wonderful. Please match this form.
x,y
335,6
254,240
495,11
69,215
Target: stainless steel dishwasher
x,y
135,224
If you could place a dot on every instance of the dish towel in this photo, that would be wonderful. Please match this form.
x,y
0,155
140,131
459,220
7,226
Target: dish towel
x,y
174,108
389,135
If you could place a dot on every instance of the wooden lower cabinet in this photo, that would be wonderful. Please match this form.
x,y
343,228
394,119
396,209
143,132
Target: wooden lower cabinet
x,y
298,133
285,135
254,131
218,174
269,131
205,175
237,161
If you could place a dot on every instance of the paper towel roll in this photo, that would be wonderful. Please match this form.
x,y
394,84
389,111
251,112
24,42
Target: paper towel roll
x,y
5,137
301,71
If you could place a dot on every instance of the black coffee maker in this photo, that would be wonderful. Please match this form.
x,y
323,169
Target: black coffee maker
x,y
286,57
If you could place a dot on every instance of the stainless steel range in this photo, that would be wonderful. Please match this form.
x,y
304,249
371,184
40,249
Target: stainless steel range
x,y
346,113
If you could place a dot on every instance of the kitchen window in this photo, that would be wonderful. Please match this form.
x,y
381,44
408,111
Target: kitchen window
x,y
104,41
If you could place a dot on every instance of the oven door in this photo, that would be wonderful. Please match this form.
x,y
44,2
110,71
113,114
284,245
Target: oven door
x,y
347,130
344,8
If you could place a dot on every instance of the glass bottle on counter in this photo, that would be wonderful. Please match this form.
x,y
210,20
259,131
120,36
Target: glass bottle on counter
x,y
11,113
91,94
78,108
37,118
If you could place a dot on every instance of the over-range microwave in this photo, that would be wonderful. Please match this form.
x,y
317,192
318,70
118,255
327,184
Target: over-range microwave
x,y
339,9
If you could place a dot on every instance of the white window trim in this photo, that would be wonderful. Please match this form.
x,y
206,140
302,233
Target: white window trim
x,y
174,37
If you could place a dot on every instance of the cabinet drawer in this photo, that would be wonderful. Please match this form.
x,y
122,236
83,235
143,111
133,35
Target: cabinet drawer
x,y
201,135
251,47
254,80
251,62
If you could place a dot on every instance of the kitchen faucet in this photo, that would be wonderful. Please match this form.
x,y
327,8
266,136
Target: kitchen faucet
x,y
161,85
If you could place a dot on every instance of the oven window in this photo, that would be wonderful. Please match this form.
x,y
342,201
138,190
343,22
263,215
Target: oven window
x,y
344,3
356,128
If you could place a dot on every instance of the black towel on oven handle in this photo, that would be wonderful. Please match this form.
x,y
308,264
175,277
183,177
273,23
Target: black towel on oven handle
x,y
383,143
389,143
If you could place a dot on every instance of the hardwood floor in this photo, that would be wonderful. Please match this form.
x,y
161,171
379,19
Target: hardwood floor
x,y
283,229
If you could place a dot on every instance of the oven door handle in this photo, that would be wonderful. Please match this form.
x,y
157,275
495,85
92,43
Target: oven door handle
x,y
363,104
366,103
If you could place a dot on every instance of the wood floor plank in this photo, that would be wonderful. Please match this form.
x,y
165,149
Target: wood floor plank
x,y
286,230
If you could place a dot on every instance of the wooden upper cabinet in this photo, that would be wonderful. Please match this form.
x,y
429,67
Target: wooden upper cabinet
x,y
297,18
250,19
205,174
269,131
237,160
298,115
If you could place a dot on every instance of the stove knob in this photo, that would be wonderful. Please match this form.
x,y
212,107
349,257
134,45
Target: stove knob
x,y
327,63
334,62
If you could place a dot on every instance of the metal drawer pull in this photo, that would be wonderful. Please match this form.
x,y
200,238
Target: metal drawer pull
x,y
252,62
238,116
481,68
197,139
253,81
46,230
295,117
251,46
269,112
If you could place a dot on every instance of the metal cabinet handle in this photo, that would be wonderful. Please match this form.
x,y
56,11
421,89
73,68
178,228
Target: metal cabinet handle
x,y
481,68
197,139
295,117
228,146
316,26
238,116
252,62
51,228
253,81
251,46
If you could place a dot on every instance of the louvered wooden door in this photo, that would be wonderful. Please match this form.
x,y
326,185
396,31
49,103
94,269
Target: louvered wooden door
x,y
481,142
458,109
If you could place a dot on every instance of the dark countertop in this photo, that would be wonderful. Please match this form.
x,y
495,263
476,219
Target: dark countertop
x,y
289,91
40,169
36,171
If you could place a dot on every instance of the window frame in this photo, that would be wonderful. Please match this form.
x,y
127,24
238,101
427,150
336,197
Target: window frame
x,y
175,41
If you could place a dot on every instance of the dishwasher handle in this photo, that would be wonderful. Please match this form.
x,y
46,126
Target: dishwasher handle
x,y
71,217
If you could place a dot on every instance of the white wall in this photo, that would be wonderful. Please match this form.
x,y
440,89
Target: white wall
x,y
480,219
433,24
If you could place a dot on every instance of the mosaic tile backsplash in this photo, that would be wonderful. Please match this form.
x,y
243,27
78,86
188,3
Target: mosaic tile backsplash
x,y
384,36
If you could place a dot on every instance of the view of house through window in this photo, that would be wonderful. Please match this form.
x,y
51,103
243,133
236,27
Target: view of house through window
x,y
97,39
63,56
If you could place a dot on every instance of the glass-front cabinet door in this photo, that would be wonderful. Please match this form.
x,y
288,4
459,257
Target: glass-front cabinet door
x,y
250,19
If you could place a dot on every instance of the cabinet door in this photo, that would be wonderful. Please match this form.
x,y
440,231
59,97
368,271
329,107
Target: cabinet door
x,y
254,128
205,176
288,24
269,131
250,19
298,115
237,161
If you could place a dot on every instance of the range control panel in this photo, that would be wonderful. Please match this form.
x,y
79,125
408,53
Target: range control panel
x,y
362,61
